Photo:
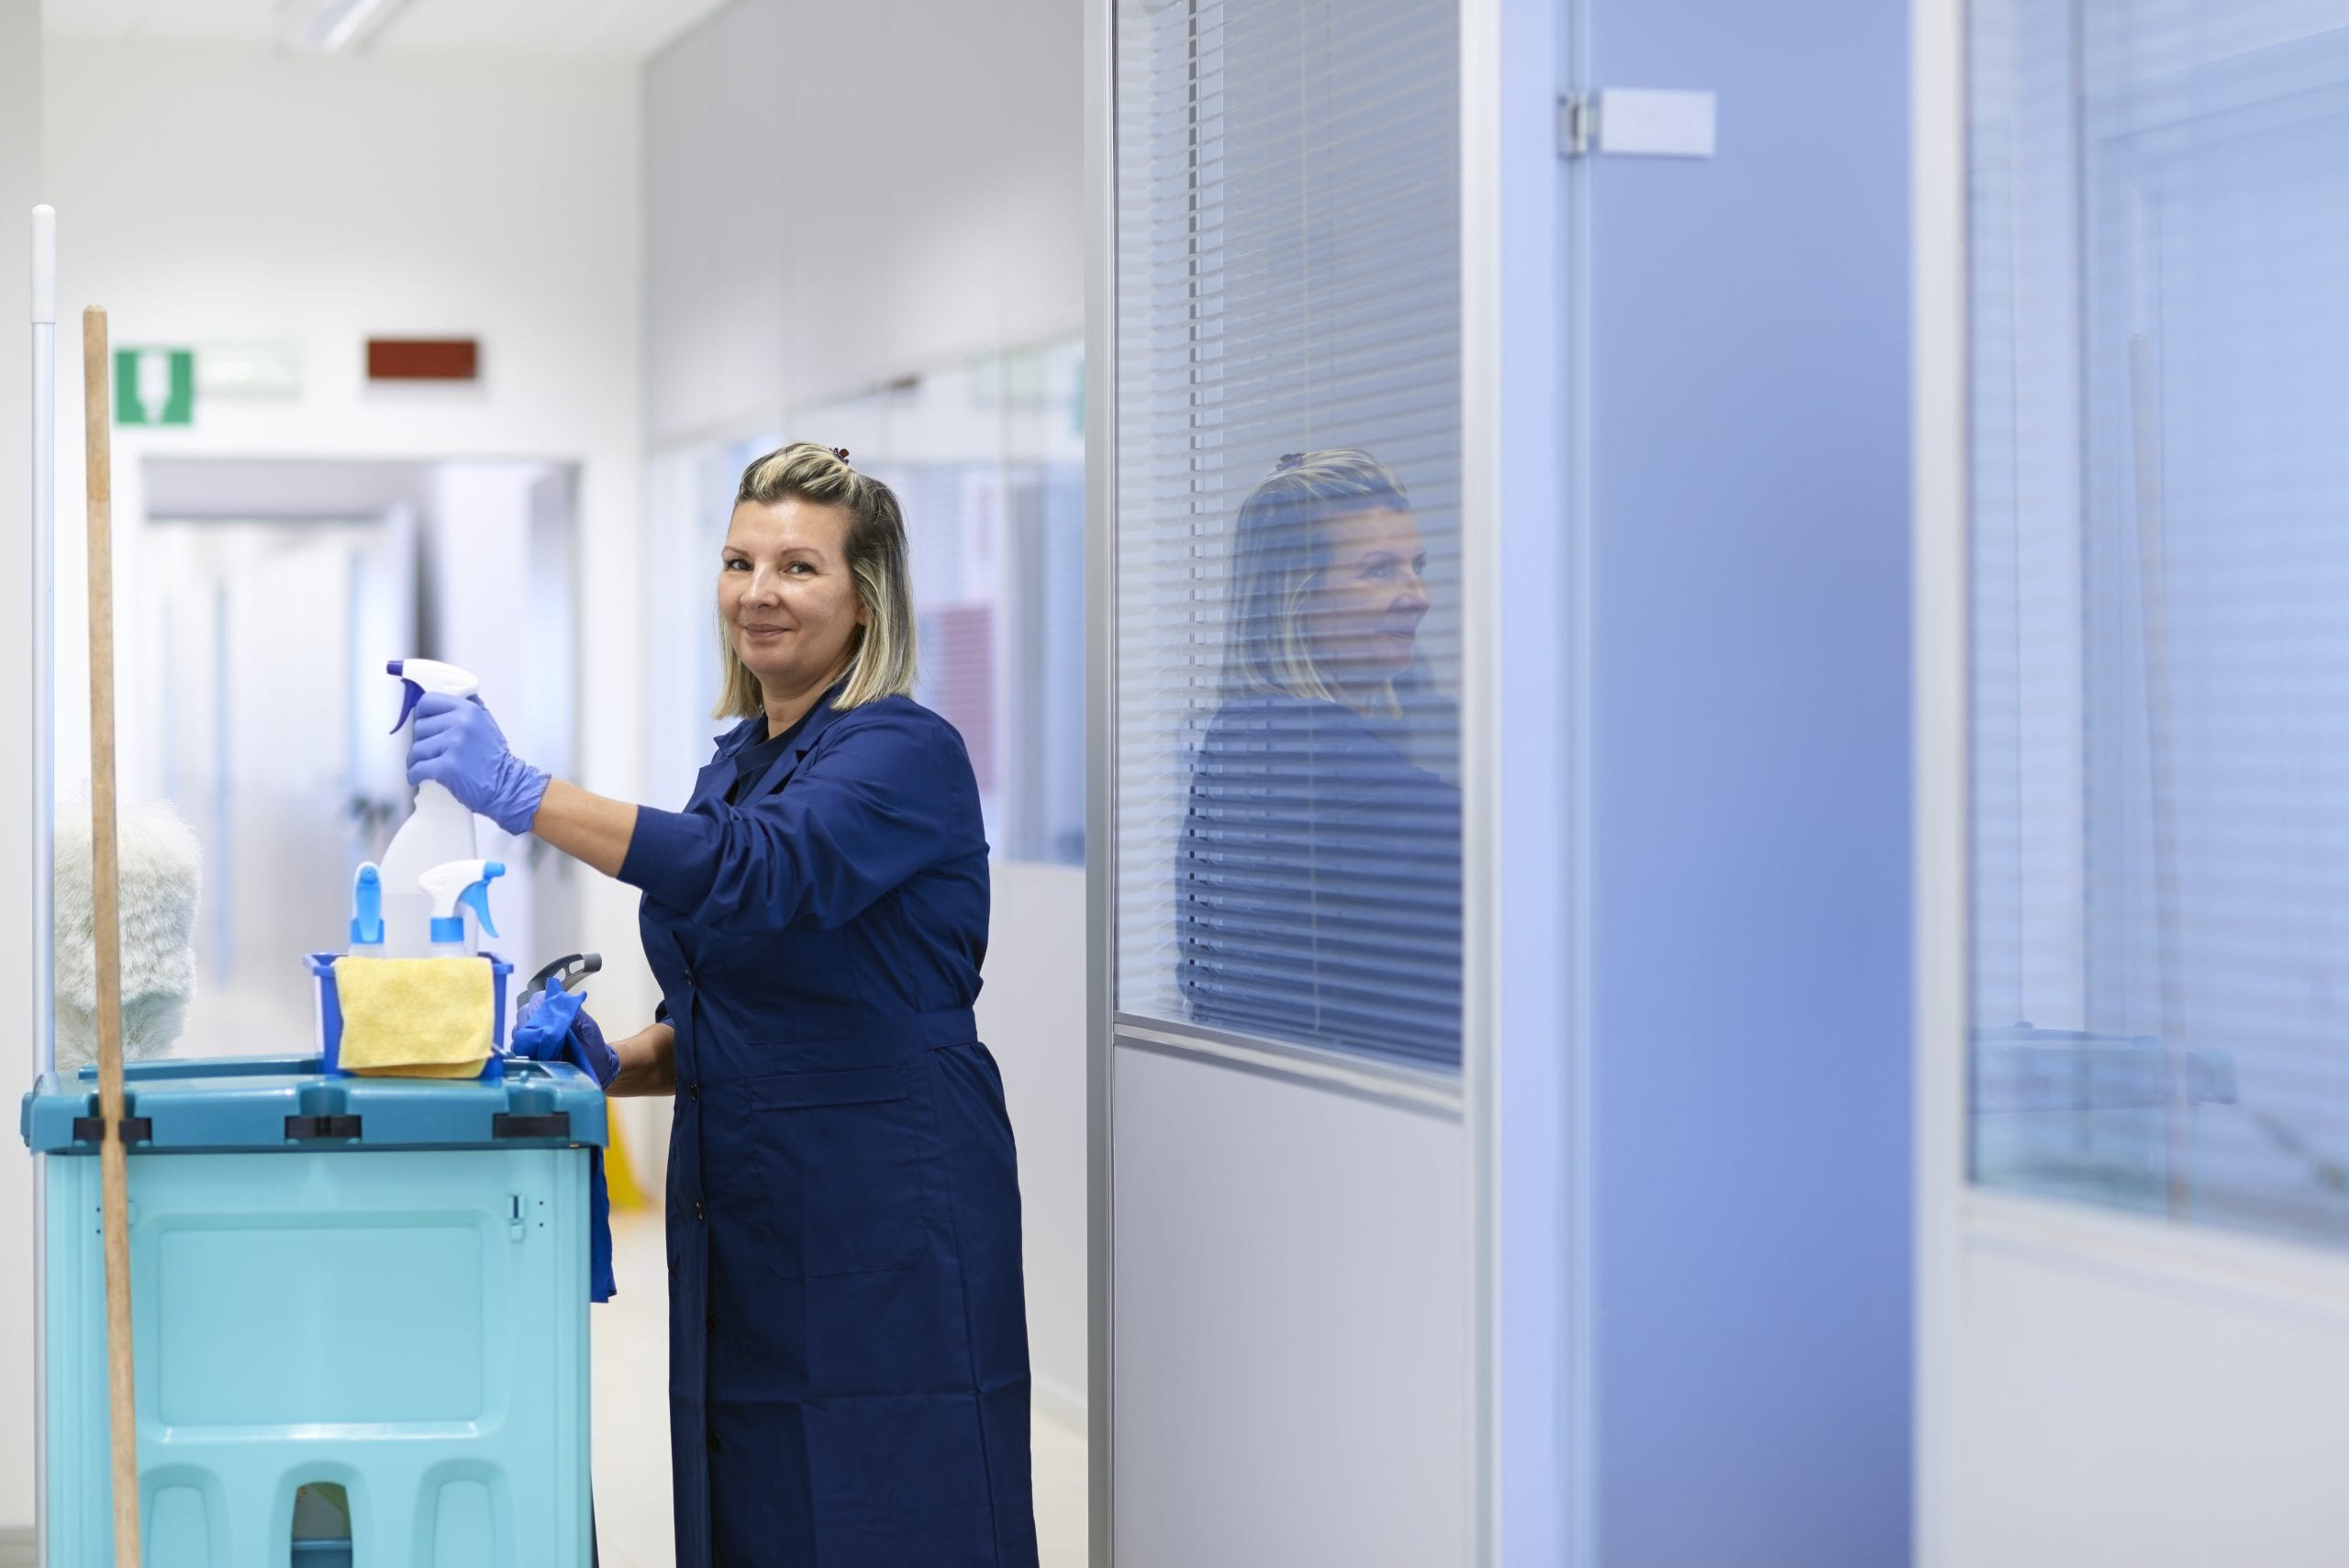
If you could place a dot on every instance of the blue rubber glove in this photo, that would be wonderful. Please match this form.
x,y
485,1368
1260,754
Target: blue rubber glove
x,y
542,1028
588,1050
551,1028
458,746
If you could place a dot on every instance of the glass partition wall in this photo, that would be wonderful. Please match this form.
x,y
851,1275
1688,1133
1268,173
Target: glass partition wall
x,y
2160,608
988,458
1288,590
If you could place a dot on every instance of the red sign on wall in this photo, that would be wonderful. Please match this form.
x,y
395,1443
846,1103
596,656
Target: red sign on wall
x,y
423,358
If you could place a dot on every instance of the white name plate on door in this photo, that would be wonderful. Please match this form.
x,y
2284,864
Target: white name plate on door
x,y
1652,122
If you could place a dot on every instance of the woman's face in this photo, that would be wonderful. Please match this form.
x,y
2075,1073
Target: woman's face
x,y
785,593
1368,601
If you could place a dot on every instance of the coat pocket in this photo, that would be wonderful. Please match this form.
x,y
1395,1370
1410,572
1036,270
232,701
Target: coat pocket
x,y
833,1171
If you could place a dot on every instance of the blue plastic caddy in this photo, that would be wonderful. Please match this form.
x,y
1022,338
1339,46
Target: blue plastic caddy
x,y
373,1284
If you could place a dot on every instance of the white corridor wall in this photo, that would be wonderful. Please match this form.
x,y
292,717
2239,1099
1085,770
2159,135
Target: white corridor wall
x,y
838,195
20,96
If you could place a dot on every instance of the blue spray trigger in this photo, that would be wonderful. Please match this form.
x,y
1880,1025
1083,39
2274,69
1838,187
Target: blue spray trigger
x,y
477,896
411,694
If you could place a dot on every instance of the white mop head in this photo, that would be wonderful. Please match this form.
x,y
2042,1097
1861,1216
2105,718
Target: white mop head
x,y
161,874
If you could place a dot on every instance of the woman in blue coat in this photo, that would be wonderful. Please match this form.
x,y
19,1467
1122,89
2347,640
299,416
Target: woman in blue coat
x,y
1318,875
848,1343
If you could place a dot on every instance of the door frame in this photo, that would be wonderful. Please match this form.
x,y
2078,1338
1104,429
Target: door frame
x,y
1941,506
1525,1044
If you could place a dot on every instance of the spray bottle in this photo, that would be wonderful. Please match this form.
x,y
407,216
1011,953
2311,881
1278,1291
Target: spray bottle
x,y
439,831
453,888
367,912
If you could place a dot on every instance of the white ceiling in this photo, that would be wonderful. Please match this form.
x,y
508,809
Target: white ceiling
x,y
628,29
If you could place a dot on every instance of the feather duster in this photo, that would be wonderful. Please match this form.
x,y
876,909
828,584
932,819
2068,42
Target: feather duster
x,y
162,876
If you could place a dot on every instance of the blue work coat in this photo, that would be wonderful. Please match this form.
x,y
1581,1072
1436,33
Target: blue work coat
x,y
1318,882
848,1354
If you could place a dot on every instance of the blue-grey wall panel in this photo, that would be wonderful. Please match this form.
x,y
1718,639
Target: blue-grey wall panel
x,y
1748,482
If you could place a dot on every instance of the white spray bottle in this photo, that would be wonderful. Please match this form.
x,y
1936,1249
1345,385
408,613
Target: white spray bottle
x,y
454,888
438,832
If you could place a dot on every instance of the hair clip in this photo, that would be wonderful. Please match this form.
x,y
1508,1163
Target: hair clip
x,y
841,452
1287,461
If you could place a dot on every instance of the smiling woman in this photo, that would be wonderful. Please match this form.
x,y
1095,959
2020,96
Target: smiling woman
x,y
789,608
848,1358
812,586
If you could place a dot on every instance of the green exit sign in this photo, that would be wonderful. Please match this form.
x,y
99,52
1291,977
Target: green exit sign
x,y
154,386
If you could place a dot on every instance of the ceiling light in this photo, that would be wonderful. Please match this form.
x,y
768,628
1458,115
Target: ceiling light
x,y
322,27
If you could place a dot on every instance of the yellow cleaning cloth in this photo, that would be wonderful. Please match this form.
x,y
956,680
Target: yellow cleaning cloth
x,y
415,1018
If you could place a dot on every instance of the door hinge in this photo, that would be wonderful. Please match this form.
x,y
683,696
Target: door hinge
x,y
1574,115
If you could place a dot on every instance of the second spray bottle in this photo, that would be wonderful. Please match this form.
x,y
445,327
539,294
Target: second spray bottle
x,y
413,905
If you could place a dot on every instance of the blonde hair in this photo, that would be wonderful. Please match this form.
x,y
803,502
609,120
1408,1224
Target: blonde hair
x,y
881,660
1279,547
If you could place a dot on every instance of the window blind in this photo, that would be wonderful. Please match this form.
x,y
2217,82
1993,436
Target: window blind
x,y
2160,639
1287,804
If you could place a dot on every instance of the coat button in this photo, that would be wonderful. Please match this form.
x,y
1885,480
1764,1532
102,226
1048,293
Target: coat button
x,y
697,1213
694,1091
689,979
713,1442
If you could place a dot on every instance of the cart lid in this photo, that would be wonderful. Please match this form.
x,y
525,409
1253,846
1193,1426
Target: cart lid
x,y
258,1103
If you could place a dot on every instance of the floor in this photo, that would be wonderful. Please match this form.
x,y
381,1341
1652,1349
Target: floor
x,y
631,1373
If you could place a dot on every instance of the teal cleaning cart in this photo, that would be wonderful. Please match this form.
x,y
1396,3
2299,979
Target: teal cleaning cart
x,y
367,1297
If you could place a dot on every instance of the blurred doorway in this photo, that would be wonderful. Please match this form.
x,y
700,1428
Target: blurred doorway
x,y
261,656
256,701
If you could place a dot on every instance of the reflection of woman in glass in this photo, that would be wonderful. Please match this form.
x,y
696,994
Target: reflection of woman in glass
x,y
1318,876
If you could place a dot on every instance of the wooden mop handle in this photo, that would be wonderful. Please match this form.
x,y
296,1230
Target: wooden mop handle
x,y
114,1166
